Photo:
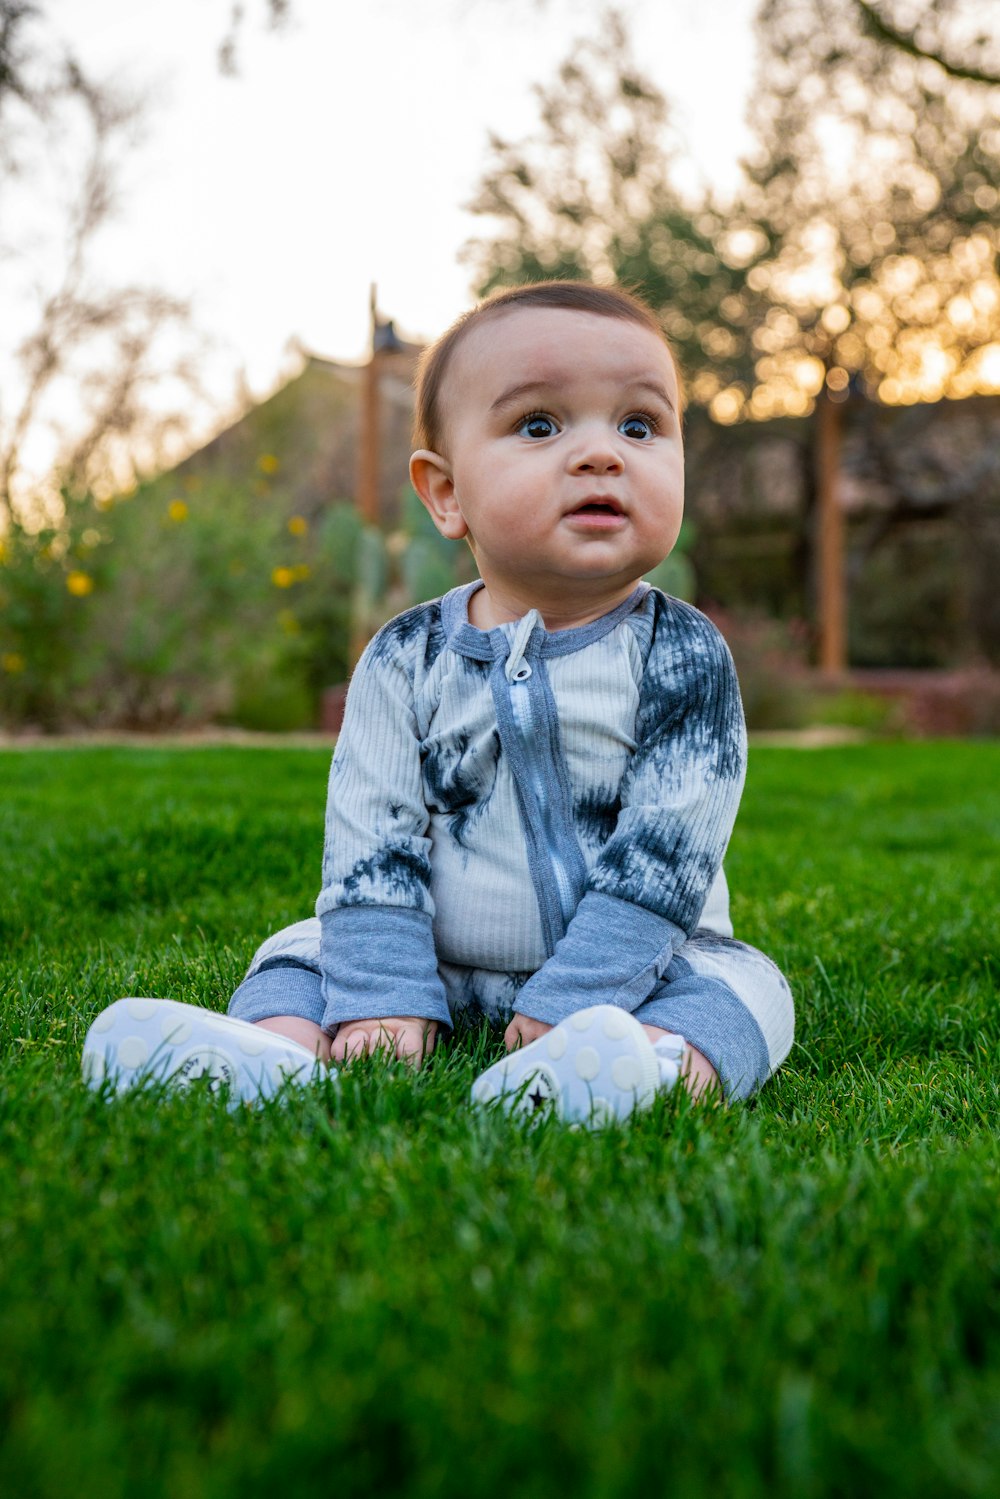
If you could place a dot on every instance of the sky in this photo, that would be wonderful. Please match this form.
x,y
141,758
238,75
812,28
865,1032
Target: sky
x,y
345,148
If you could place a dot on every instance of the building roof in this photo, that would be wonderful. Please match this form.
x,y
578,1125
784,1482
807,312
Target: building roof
x,y
304,437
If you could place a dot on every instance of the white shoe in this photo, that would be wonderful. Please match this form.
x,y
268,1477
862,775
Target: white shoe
x,y
137,1041
595,1066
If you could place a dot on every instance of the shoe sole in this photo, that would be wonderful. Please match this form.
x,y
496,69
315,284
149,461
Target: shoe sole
x,y
137,1042
596,1066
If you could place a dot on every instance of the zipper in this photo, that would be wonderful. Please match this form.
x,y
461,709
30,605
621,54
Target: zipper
x,y
522,710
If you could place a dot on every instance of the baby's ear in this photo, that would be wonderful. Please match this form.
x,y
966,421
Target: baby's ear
x,y
431,477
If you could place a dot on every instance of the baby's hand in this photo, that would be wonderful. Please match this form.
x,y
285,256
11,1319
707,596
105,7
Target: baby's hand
x,y
522,1030
406,1036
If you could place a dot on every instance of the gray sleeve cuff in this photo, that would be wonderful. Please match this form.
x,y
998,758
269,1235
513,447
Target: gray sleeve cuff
x,y
377,962
613,953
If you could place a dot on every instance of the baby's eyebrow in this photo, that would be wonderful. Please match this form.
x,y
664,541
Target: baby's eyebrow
x,y
516,393
655,388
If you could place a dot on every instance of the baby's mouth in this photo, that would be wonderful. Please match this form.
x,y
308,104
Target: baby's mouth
x,y
603,512
606,507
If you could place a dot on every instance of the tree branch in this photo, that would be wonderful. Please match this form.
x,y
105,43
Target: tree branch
x,y
14,14
278,11
906,42
96,338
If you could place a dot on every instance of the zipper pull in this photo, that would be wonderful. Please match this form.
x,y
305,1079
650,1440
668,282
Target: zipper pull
x,y
517,669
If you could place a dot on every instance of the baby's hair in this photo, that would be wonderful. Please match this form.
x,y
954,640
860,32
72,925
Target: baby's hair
x,y
575,296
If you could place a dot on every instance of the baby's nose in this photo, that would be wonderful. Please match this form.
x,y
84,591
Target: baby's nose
x,y
597,455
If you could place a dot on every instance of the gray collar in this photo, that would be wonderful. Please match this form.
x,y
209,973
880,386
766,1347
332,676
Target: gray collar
x,y
496,644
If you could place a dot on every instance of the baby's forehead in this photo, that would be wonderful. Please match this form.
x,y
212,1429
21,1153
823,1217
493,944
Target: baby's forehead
x,y
553,348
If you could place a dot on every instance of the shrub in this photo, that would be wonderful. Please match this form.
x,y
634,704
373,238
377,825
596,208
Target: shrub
x,y
48,582
770,659
178,604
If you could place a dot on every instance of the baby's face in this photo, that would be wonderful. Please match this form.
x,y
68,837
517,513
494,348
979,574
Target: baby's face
x,y
563,440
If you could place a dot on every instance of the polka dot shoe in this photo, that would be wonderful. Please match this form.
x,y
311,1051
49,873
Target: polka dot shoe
x,y
593,1067
137,1041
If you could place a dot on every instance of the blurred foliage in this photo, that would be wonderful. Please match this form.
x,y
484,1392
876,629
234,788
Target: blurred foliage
x,y
276,13
591,196
780,692
405,567
863,243
973,55
922,527
675,574
175,605
925,36
93,373
16,51
875,186
770,659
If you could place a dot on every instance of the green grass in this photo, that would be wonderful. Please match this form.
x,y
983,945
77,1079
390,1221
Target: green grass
x,y
368,1289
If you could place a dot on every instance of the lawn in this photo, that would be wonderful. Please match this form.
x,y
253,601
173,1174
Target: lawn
x,y
368,1289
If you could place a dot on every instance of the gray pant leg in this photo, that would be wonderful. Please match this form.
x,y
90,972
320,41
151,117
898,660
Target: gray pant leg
x,y
283,977
732,1003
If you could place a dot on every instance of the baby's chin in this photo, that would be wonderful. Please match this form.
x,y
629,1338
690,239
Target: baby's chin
x,y
564,604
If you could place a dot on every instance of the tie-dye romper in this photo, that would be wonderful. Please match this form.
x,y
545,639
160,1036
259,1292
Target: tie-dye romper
x,y
527,820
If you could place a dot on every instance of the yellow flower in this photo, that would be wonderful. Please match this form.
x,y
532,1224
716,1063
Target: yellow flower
x,y
298,525
301,570
283,577
177,510
12,663
79,584
268,463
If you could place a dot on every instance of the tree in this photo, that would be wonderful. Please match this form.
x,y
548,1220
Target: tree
x,y
90,361
864,238
591,194
874,189
16,56
860,253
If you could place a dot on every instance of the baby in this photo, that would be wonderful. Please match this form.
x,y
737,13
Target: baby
x,y
538,774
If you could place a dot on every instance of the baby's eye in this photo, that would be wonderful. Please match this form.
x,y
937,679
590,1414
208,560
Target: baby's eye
x,y
638,426
537,425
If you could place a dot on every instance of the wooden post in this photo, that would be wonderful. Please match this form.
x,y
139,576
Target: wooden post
x,y
368,434
832,580
366,498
